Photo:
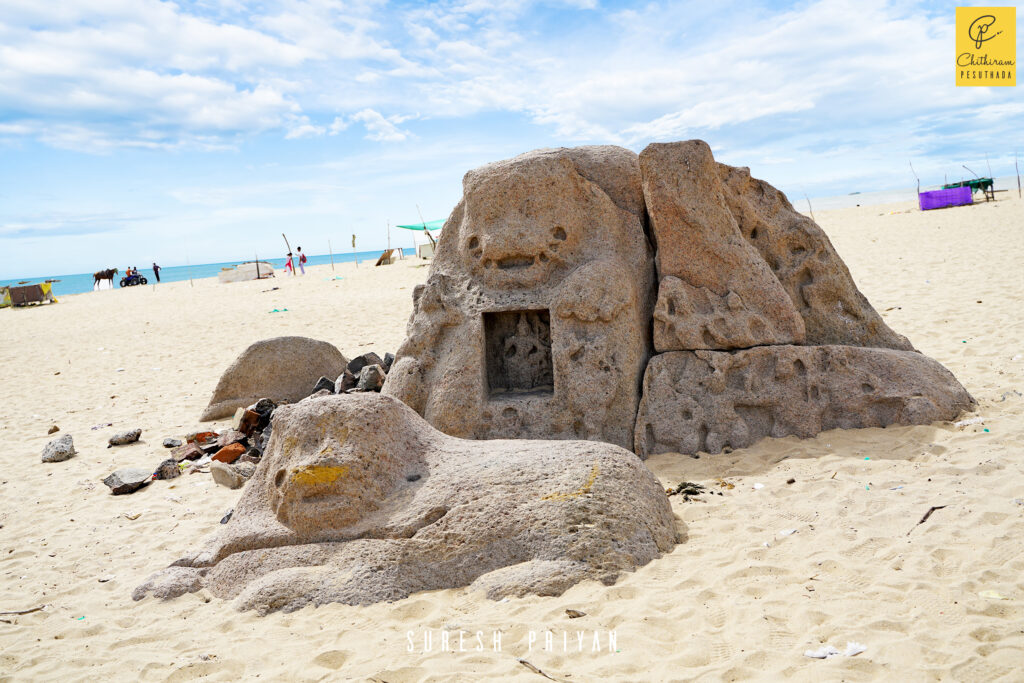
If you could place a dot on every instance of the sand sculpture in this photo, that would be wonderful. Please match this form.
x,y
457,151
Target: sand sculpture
x,y
359,500
534,322
282,369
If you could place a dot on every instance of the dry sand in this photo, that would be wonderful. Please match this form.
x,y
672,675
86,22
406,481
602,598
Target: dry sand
x,y
737,600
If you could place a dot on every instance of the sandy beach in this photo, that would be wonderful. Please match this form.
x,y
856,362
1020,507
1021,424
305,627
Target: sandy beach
x,y
768,570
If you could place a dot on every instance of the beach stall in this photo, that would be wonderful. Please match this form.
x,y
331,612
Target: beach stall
x,y
940,199
250,270
427,239
27,294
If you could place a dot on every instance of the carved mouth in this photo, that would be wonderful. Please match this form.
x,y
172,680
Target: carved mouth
x,y
511,262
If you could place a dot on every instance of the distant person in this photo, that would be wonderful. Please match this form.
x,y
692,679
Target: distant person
x,y
302,261
156,271
288,265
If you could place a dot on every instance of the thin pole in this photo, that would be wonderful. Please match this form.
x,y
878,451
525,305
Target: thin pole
x,y
389,233
257,265
1018,173
354,254
809,207
915,176
429,236
289,252
331,250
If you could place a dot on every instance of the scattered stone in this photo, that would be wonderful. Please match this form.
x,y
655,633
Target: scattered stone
x,y
371,378
346,381
59,450
124,438
245,468
168,469
265,407
172,443
389,359
229,453
227,516
201,438
53,430
359,362
246,421
322,384
321,524
226,475
575,613
535,319
230,436
128,480
709,400
282,369
189,451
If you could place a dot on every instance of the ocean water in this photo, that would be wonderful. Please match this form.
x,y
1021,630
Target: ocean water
x,y
78,283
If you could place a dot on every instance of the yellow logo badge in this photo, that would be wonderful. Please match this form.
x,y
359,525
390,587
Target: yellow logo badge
x,y
986,46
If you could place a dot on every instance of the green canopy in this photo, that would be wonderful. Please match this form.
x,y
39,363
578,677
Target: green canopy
x,y
429,225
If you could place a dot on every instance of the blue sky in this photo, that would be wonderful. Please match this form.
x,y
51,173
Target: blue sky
x,y
139,130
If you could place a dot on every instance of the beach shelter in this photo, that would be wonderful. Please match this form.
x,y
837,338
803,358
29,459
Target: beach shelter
x,y
429,232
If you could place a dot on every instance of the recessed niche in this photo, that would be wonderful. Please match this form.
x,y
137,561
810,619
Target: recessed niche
x,y
518,348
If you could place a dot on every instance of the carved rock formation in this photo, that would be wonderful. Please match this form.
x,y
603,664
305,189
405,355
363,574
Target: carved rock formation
x,y
716,292
803,259
534,320
282,369
358,500
708,400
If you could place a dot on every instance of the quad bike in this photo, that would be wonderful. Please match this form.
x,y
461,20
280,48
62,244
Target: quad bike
x,y
132,280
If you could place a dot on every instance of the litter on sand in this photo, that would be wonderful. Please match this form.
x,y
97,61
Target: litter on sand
x,y
758,486
970,421
787,532
993,595
852,650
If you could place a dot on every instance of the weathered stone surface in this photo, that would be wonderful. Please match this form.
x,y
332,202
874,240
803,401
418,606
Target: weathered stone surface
x,y
371,378
358,500
322,384
171,443
707,400
60,449
389,359
716,291
282,369
226,475
229,453
54,428
128,480
122,438
803,259
534,321
168,469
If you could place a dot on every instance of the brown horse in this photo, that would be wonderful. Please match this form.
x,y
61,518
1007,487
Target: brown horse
x,y
107,274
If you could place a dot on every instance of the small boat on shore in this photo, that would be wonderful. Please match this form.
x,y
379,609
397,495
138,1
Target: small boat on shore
x,y
250,270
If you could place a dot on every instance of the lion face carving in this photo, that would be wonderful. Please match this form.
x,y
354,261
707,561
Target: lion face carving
x,y
519,245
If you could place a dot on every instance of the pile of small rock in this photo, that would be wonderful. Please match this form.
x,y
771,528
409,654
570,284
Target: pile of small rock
x,y
363,373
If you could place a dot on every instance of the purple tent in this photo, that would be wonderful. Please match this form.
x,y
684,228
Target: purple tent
x,y
939,199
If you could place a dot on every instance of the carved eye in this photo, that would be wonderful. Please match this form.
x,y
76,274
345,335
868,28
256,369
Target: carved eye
x,y
474,242
559,233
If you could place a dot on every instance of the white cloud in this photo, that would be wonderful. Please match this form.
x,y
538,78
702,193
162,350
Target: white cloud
x,y
380,128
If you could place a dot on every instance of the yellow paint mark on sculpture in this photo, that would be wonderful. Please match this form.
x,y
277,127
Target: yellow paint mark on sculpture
x,y
581,491
313,475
